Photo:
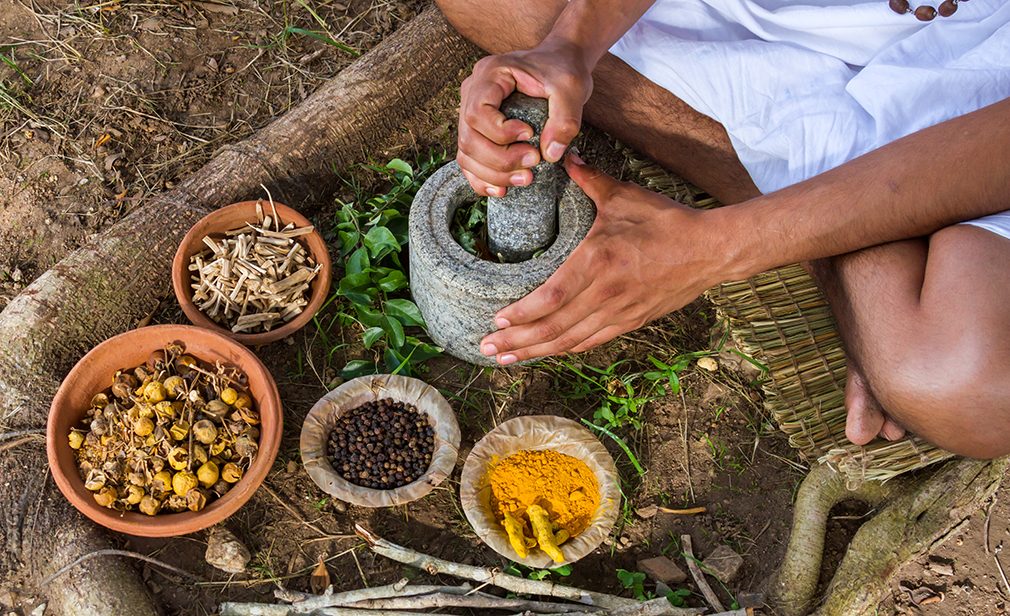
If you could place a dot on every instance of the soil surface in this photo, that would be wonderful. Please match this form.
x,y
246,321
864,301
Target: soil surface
x,y
113,101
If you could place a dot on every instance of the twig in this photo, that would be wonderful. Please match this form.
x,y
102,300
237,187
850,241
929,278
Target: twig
x,y
397,590
688,511
476,601
301,519
494,576
9,435
699,577
153,561
985,527
999,565
18,442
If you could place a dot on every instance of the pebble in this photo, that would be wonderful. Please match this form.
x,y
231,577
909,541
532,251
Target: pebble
x,y
724,563
382,444
226,552
662,569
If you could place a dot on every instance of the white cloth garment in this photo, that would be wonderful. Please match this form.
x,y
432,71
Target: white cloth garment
x,y
806,85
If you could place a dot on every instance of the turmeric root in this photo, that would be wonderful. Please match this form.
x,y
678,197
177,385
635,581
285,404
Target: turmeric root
x,y
543,530
517,537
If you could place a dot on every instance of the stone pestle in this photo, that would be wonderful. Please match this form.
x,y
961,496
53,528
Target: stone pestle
x,y
458,293
525,221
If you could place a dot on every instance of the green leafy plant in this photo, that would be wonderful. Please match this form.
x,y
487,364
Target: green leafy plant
x,y
678,597
537,574
372,294
635,582
469,228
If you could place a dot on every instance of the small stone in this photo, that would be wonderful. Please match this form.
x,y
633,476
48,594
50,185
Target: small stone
x,y
940,567
625,541
648,511
226,552
723,563
708,363
339,506
662,569
292,466
751,600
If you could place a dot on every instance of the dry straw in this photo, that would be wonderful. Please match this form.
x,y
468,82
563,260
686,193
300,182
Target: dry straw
x,y
781,319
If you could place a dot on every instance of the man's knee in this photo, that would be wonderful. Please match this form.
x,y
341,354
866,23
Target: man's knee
x,y
954,396
498,26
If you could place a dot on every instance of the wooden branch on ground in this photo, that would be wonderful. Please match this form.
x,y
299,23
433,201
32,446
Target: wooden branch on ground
x,y
389,591
698,575
106,286
494,577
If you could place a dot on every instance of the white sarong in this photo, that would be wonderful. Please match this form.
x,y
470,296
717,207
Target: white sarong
x,y
805,86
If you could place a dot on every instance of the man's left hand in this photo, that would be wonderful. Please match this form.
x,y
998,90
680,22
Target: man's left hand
x,y
645,256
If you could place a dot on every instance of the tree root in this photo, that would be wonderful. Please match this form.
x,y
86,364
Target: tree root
x,y
104,287
919,513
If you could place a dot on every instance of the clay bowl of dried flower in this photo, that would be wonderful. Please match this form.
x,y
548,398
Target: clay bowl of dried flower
x,y
97,370
539,434
256,271
380,440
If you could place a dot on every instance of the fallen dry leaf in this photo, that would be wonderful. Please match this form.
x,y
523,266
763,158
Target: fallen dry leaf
x,y
320,579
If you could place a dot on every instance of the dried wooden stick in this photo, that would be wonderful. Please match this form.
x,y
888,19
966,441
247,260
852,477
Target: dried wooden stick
x,y
474,600
495,577
699,577
400,589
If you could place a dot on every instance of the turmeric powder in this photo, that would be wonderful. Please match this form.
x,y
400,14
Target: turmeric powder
x,y
563,486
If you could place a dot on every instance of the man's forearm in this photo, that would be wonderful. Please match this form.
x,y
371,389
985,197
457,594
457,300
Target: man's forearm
x,y
948,173
593,26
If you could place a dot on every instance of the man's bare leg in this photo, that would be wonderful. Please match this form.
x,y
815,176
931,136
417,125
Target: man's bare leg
x,y
624,103
926,325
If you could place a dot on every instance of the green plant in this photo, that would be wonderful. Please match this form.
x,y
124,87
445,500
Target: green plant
x,y
469,228
537,574
678,597
635,582
324,36
372,294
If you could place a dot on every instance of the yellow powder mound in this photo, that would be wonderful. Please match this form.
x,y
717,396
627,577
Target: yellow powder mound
x,y
561,484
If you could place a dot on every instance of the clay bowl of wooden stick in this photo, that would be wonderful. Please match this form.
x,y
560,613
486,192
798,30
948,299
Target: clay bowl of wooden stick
x,y
257,271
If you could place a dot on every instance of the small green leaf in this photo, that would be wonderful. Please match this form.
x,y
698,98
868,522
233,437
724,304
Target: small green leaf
x,y
404,310
395,331
400,165
322,37
348,240
380,242
394,281
368,316
372,335
539,574
357,262
358,367
563,570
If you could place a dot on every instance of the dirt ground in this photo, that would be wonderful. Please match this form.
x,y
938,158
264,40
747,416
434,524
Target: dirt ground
x,y
102,104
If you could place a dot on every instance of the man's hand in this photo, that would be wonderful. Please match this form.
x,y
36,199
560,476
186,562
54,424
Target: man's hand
x,y
645,256
491,152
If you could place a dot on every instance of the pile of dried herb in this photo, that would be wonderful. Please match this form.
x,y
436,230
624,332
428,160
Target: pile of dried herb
x,y
172,434
256,277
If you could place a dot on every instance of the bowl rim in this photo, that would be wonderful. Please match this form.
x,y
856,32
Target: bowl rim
x,y
320,287
170,524
444,457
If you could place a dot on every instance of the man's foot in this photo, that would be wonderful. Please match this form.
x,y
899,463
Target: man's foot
x,y
866,419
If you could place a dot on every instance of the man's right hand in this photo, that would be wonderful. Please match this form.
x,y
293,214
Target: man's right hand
x,y
492,152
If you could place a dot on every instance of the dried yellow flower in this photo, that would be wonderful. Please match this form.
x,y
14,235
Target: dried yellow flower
x,y
183,482
231,472
208,474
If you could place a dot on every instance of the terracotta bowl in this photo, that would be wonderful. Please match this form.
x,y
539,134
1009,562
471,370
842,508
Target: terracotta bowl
x,y
233,217
94,372
319,423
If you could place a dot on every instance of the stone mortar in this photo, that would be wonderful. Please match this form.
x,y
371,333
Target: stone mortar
x,y
459,293
525,220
